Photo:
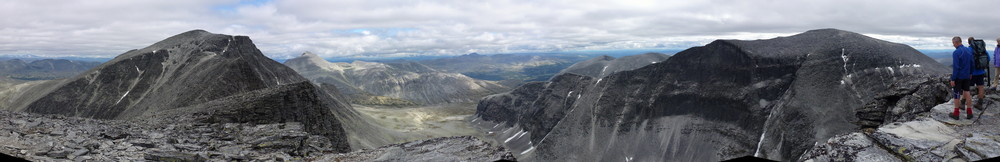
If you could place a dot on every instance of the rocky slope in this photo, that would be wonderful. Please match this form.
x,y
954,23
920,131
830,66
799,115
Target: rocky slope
x,y
605,65
769,98
58,138
405,83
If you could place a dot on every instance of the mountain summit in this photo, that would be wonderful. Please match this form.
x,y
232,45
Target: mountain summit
x,y
769,98
189,68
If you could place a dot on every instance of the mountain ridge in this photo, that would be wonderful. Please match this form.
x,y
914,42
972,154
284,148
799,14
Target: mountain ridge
x,y
738,98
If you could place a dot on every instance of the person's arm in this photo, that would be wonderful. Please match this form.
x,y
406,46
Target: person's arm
x,y
955,64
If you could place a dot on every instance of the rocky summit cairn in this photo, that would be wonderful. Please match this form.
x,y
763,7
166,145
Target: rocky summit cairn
x,y
772,98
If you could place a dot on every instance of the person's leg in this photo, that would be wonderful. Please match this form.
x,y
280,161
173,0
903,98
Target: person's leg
x,y
968,97
996,77
968,104
979,81
956,93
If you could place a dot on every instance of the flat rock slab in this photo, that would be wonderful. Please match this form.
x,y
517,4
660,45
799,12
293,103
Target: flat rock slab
x,y
941,113
923,139
981,146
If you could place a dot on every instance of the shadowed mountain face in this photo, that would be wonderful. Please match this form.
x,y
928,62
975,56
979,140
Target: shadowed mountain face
x,y
770,98
393,83
601,66
45,69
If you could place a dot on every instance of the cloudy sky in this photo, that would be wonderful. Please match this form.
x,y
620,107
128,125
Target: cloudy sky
x,y
377,28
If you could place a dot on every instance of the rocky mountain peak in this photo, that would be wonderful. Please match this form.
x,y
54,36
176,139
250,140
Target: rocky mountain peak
x,y
185,69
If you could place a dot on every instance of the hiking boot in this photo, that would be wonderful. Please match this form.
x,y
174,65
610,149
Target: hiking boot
x,y
954,115
979,104
968,112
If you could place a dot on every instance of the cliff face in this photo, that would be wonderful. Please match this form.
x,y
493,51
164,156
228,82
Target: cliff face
x,y
406,83
771,98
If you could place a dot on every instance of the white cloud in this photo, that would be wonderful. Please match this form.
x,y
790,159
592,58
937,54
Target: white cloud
x,y
285,28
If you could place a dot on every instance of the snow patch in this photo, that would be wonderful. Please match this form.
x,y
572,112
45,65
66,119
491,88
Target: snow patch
x,y
516,135
598,81
843,55
123,97
628,158
568,94
528,150
890,70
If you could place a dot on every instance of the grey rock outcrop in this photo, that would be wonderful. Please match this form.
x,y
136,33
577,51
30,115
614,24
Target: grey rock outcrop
x,y
58,138
404,83
771,98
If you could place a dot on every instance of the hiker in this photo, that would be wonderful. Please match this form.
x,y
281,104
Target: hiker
x,y
979,73
961,77
996,65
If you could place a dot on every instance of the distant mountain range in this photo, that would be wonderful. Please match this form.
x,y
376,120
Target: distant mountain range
x,y
397,84
601,66
44,69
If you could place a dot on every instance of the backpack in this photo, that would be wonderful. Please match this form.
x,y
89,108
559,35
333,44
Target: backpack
x,y
979,55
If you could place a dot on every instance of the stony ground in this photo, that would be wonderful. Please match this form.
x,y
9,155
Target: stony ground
x,y
57,138
933,136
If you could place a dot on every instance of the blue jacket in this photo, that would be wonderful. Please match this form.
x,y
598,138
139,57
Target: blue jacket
x,y
996,56
961,66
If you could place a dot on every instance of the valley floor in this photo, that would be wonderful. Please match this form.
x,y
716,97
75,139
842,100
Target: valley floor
x,y
425,121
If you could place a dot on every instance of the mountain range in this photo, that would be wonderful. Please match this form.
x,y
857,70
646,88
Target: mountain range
x,y
398,84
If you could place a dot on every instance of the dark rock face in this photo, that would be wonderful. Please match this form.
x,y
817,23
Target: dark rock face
x,y
299,102
601,66
183,70
904,101
770,98
395,84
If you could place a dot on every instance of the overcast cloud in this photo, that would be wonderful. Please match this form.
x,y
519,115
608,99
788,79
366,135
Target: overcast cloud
x,y
342,28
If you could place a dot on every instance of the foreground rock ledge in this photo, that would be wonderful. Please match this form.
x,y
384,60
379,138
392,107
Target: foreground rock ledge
x,y
55,138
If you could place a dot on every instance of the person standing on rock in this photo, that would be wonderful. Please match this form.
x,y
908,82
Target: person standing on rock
x,y
996,65
961,77
978,75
